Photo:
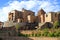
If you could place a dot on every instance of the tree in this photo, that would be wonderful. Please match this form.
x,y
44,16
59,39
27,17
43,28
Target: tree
x,y
17,26
56,24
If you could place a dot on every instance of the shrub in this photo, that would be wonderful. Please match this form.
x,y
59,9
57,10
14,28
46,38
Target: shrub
x,y
56,24
38,35
51,34
45,33
57,33
17,26
32,34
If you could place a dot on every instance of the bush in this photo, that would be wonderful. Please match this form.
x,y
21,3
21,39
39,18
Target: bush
x,y
51,34
56,24
32,34
57,33
17,26
45,33
38,35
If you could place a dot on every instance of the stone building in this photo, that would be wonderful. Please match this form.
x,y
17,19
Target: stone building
x,y
48,17
28,17
52,16
15,15
20,16
41,16
58,16
26,14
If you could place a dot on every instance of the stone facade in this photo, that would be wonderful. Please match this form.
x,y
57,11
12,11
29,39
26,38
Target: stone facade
x,y
44,17
14,15
31,18
28,16
26,13
41,16
52,17
20,16
48,17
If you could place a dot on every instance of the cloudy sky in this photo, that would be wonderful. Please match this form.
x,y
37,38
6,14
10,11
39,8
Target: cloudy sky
x,y
8,5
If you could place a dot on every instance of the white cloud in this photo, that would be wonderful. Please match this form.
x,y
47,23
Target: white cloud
x,y
33,5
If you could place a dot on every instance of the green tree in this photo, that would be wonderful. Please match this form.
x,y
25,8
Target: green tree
x,y
56,24
17,26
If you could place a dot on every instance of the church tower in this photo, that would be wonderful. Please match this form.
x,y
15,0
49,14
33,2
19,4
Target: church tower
x,y
41,16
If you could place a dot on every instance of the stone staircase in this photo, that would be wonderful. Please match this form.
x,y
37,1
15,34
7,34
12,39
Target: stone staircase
x,y
41,24
44,25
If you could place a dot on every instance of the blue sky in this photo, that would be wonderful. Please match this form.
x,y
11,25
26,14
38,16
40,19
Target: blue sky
x,y
8,5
